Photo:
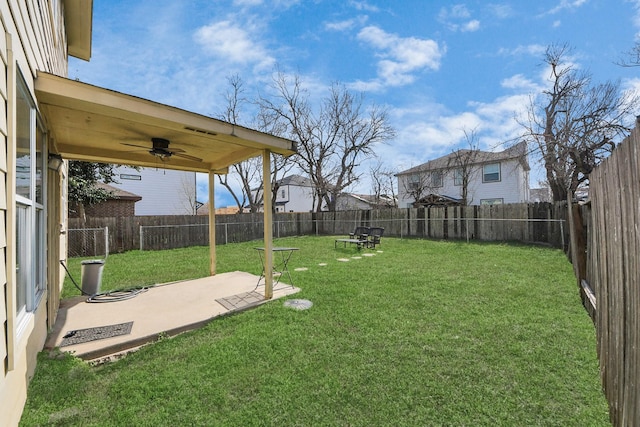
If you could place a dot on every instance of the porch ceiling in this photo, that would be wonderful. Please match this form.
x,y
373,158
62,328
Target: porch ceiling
x,y
93,124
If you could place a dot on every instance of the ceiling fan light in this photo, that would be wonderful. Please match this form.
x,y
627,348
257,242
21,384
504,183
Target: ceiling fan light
x,y
161,154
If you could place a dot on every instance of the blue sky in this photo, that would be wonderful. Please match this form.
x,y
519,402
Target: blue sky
x,y
439,67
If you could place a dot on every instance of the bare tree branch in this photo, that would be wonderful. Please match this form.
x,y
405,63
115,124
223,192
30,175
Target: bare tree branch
x,y
574,124
332,141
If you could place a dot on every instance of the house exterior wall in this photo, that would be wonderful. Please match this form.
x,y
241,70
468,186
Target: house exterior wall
x,y
513,186
163,191
294,198
32,38
345,202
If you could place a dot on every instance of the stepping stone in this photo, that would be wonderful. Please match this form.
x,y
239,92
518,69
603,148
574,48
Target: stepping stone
x,y
344,259
322,264
301,269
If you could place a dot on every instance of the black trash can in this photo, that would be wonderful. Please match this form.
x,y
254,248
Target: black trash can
x,y
91,276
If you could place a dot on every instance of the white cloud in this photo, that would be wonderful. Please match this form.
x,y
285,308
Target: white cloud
x,y
232,43
458,11
473,25
363,5
500,11
531,49
636,18
244,3
400,58
346,24
566,5
456,18
519,82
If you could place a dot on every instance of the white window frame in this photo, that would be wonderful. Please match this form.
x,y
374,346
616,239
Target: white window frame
x,y
457,177
437,179
493,201
485,173
30,218
413,182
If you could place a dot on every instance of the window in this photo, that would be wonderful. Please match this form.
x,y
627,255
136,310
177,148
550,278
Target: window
x,y
436,179
282,194
30,216
491,172
458,177
414,182
496,201
131,177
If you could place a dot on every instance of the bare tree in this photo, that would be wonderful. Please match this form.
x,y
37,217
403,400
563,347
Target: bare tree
x,y
248,174
188,198
422,182
463,165
244,174
267,122
632,57
574,124
331,141
383,186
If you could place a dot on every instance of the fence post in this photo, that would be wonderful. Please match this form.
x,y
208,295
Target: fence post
x,y
467,226
106,241
141,238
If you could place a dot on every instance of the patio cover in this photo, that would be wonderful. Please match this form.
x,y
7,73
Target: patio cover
x,y
95,124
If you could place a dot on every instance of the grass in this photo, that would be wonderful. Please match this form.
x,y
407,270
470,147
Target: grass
x,y
424,333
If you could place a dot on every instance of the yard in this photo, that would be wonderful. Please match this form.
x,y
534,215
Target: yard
x,y
420,333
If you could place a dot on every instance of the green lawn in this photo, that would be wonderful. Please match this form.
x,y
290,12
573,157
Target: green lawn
x,y
423,333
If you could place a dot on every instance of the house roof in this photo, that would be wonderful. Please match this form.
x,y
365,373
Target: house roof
x,y
371,199
117,193
78,22
437,200
95,124
518,151
297,180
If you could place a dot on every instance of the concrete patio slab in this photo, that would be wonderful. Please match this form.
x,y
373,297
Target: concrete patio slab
x,y
166,309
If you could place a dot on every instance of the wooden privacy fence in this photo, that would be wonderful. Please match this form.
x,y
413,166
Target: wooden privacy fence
x,y
537,222
605,238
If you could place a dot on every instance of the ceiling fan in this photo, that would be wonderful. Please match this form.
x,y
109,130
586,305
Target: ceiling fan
x,y
160,149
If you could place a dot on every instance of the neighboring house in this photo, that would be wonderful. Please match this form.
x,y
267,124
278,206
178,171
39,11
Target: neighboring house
x,y
351,201
542,194
295,194
119,204
488,178
163,191
203,209
47,119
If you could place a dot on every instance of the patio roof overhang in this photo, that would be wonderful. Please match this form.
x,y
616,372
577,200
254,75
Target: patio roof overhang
x,y
95,124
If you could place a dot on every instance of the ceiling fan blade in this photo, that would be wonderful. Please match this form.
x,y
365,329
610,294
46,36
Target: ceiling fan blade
x,y
186,156
134,145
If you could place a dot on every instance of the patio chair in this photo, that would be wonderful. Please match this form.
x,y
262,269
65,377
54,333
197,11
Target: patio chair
x,y
360,233
375,234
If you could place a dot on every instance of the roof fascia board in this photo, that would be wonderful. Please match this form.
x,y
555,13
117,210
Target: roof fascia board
x,y
78,23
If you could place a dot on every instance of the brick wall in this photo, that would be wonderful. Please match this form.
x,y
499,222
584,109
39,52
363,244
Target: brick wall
x,y
109,208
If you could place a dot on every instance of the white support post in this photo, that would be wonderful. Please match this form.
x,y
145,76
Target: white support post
x,y
212,224
268,224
